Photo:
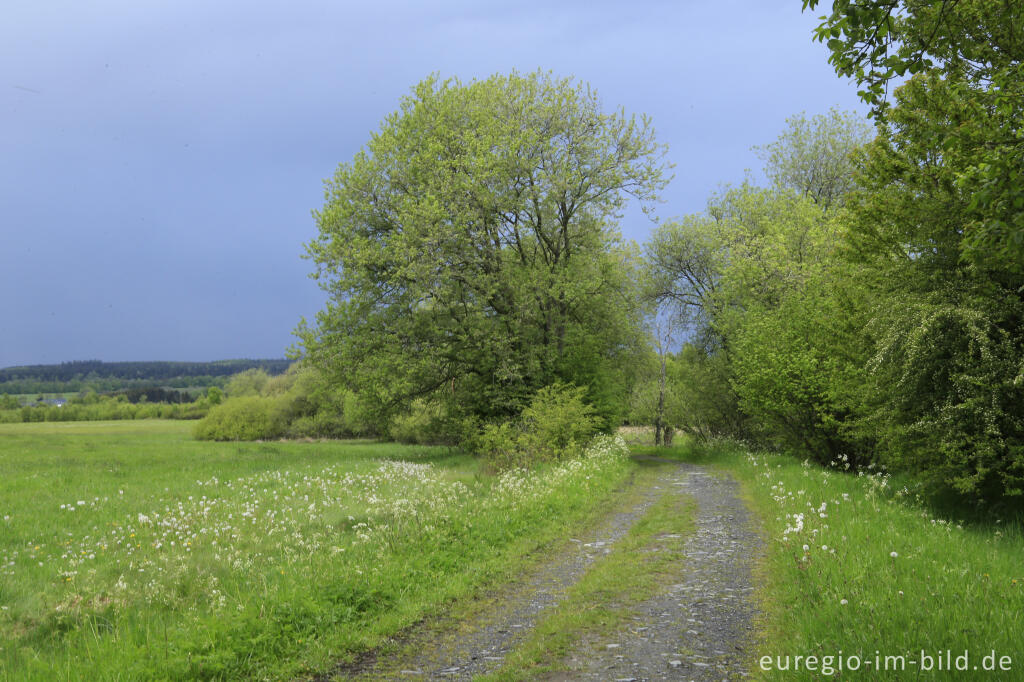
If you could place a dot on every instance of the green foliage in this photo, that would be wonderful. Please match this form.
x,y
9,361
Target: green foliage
x,y
947,321
557,424
499,445
758,279
799,366
471,254
301,403
967,59
708,404
814,158
247,383
249,417
946,394
424,424
879,323
643,399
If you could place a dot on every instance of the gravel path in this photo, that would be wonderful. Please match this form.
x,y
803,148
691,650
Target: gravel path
x,y
464,650
699,628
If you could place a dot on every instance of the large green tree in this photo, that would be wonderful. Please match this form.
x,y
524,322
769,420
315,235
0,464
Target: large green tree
x,y
471,249
937,227
774,313
969,56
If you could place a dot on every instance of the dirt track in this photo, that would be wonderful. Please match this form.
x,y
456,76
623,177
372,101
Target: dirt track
x,y
698,627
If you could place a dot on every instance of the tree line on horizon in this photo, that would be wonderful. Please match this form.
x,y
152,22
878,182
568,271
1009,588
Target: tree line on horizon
x,y
109,377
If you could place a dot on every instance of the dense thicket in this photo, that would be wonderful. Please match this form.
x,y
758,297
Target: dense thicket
x,y
870,302
301,403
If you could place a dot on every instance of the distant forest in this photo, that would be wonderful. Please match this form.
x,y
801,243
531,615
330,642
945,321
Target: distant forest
x,y
101,377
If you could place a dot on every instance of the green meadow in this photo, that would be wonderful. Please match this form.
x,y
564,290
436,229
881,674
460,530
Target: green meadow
x,y
131,551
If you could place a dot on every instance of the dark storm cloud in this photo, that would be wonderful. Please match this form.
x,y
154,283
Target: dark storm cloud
x,y
161,159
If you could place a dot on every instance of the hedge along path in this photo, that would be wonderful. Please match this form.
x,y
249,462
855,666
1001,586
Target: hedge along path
x,y
484,640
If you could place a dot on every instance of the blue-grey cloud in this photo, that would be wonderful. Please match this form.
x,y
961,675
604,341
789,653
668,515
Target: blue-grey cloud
x,y
160,160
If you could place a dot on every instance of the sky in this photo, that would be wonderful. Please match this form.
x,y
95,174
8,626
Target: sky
x,y
159,161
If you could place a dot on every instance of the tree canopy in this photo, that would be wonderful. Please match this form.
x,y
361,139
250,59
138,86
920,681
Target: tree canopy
x,y
471,249
967,57
815,157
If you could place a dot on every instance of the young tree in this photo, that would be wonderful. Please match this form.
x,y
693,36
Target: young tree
x,y
756,274
653,398
737,272
471,252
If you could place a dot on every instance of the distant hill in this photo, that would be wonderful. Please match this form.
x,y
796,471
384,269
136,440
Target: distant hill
x,y
112,376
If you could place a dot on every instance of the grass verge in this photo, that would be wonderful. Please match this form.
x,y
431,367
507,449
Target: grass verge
x,y
859,574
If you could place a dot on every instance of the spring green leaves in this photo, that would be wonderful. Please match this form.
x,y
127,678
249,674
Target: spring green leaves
x,y
471,249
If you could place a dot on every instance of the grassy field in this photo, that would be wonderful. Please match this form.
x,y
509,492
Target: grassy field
x,y
857,567
130,551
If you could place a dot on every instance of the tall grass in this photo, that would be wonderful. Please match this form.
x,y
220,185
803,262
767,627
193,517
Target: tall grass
x,y
132,552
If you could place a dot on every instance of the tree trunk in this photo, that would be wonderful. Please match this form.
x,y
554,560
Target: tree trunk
x,y
659,419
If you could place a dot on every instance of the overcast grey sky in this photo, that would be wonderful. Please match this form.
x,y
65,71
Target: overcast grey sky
x,y
161,159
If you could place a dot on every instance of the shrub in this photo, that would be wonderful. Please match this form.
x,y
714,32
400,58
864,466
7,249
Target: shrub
x,y
301,403
947,396
322,424
424,424
249,382
557,424
245,418
500,445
